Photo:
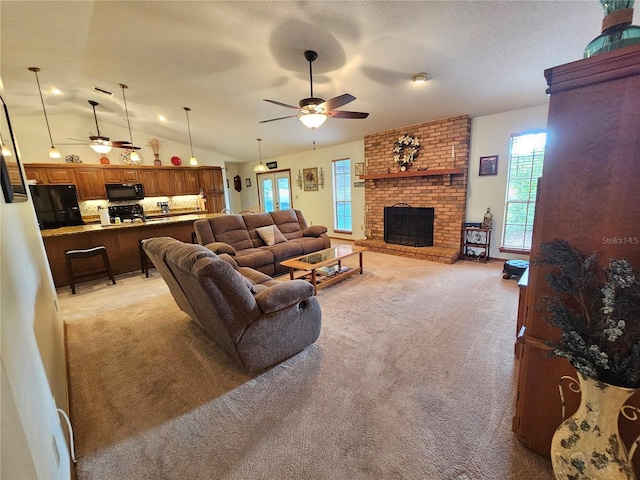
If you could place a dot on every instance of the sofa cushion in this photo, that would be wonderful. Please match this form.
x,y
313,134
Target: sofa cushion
x,y
287,222
254,258
221,248
314,231
255,221
286,250
232,230
270,235
312,244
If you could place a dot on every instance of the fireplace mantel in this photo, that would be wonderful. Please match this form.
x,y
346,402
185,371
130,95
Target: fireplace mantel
x,y
445,172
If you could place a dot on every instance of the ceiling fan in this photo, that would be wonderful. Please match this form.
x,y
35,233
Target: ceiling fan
x,y
314,111
100,143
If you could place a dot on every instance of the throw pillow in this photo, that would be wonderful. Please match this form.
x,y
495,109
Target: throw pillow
x,y
270,235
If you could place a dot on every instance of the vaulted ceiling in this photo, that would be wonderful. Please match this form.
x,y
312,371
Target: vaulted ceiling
x,y
222,59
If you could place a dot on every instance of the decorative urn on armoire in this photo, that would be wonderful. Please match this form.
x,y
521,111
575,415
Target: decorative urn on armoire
x,y
588,196
617,31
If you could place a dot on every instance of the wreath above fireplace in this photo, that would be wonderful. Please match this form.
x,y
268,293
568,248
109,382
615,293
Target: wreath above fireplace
x,y
405,150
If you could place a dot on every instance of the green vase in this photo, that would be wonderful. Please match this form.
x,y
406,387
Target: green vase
x,y
617,31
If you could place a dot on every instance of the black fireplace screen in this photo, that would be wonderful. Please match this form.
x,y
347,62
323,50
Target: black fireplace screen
x,y
406,225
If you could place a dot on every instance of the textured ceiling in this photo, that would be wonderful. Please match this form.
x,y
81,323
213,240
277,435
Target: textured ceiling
x,y
222,58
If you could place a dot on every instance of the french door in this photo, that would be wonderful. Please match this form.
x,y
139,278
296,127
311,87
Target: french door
x,y
275,190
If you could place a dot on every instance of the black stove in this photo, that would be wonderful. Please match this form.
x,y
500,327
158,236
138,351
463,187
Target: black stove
x,y
127,212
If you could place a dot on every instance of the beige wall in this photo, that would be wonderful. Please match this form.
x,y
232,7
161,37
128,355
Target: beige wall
x,y
32,346
317,206
491,135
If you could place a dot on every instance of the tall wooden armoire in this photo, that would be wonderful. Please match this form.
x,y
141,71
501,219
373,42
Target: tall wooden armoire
x,y
589,195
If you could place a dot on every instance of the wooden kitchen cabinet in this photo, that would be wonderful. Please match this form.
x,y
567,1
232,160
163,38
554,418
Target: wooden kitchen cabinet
x,y
164,182
149,180
185,182
55,174
157,181
588,195
122,175
90,183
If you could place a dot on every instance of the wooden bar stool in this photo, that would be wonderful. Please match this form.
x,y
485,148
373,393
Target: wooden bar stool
x,y
145,262
85,253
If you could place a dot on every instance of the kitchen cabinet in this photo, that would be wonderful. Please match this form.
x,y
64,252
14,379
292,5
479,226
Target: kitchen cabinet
x,y
157,181
164,182
90,183
588,195
185,182
55,174
121,175
149,180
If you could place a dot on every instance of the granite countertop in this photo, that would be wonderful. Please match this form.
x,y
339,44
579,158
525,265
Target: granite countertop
x,y
97,227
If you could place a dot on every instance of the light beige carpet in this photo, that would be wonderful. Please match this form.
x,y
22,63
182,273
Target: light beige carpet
x,y
413,377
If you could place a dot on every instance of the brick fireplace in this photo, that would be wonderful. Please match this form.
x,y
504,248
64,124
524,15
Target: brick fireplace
x,y
437,179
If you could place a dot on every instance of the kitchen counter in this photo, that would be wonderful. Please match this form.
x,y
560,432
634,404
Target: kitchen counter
x,y
122,242
151,221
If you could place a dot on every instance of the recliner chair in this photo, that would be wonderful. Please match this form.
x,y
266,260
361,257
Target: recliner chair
x,y
258,321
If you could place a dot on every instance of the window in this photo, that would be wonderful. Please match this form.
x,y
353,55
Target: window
x,y
342,195
526,155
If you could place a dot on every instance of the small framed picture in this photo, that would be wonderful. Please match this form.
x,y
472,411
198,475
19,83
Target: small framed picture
x,y
310,176
488,165
360,168
247,182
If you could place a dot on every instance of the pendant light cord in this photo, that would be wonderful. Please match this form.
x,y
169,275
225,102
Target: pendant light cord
x,y
123,86
35,70
186,109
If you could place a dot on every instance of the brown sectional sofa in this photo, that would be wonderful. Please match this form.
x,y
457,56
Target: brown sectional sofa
x,y
237,235
258,321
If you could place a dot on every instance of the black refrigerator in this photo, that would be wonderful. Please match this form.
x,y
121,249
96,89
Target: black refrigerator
x,y
56,205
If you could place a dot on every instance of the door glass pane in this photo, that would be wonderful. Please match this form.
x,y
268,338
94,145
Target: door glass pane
x,y
284,193
267,194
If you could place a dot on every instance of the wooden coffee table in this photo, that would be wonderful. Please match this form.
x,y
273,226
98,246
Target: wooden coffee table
x,y
310,267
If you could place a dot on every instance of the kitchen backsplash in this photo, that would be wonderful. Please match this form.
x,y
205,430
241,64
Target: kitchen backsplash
x,y
89,208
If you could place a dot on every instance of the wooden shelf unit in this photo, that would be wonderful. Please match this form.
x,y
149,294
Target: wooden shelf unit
x,y
484,243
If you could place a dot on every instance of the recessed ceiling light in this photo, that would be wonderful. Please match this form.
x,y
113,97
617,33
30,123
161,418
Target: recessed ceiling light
x,y
421,77
162,118
55,91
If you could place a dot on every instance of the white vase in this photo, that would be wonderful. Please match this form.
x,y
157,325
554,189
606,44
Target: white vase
x,y
587,445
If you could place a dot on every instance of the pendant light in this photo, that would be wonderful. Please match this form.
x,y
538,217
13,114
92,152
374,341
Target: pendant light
x,y
53,151
133,156
261,167
192,160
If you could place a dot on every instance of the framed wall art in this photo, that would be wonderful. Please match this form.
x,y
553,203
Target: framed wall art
x,y
310,176
360,168
247,182
488,165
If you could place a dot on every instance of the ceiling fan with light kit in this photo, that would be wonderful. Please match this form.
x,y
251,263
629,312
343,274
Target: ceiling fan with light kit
x,y
313,111
99,143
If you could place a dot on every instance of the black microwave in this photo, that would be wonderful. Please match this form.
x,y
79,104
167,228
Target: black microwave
x,y
124,191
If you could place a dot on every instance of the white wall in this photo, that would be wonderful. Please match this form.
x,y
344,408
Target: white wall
x,y
317,206
32,347
490,135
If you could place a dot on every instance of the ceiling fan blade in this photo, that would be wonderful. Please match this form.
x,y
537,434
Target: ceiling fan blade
x,y
281,104
341,114
77,140
121,142
128,147
279,118
336,102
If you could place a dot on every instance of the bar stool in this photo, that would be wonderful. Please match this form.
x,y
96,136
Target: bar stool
x,y
145,262
85,253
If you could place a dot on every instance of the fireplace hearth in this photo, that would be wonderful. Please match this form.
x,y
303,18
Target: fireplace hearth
x,y
406,225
